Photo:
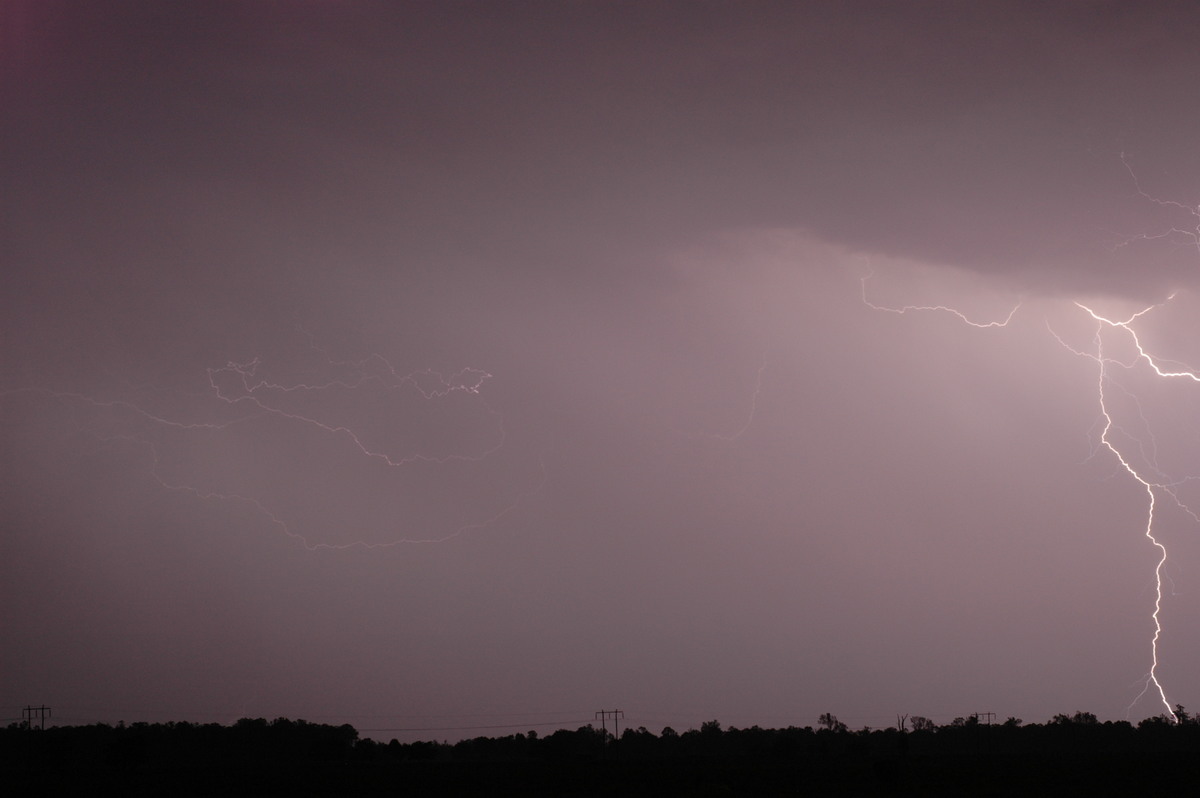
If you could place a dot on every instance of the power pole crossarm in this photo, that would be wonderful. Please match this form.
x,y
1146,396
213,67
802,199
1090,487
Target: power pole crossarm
x,y
29,711
616,714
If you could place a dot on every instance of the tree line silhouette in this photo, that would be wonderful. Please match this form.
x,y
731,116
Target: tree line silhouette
x,y
1069,754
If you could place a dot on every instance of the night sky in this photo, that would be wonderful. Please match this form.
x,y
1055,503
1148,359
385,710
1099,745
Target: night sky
x,y
453,368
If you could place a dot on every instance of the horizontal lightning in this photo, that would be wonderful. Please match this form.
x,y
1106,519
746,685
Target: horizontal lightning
x,y
245,376
939,308
243,385
1189,235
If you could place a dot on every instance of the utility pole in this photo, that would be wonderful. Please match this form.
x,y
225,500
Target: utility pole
x,y
986,717
28,712
604,715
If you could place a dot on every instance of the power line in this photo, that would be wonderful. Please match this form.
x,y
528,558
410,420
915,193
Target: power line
x,y
477,728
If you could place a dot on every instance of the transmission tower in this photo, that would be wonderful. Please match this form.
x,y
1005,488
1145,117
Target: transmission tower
x,y
28,712
604,714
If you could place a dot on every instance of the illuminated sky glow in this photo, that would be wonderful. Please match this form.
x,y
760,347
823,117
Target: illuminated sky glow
x,y
442,366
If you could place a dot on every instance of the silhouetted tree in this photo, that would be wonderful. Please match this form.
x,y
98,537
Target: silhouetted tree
x,y
1078,719
1156,721
922,724
295,757
830,721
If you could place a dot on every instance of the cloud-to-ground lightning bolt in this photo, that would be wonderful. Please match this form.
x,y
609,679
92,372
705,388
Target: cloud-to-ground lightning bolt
x,y
1191,236
1152,486
1149,476
240,394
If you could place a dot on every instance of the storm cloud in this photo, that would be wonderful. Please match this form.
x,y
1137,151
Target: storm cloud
x,y
435,365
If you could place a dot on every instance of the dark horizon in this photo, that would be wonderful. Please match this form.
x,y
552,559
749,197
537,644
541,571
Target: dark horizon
x,y
1071,754
616,725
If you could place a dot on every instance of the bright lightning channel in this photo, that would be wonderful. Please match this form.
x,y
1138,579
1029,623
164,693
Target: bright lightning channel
x,y
1151,486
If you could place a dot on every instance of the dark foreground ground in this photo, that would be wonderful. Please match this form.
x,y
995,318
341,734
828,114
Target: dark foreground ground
x,y
297,759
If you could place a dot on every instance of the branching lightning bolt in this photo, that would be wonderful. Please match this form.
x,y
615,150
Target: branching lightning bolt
x,y
1155,486
942,308
1152,680
242,388
1191,236
467,380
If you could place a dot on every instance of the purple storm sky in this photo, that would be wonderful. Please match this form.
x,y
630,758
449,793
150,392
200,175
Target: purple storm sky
x,y
471,367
